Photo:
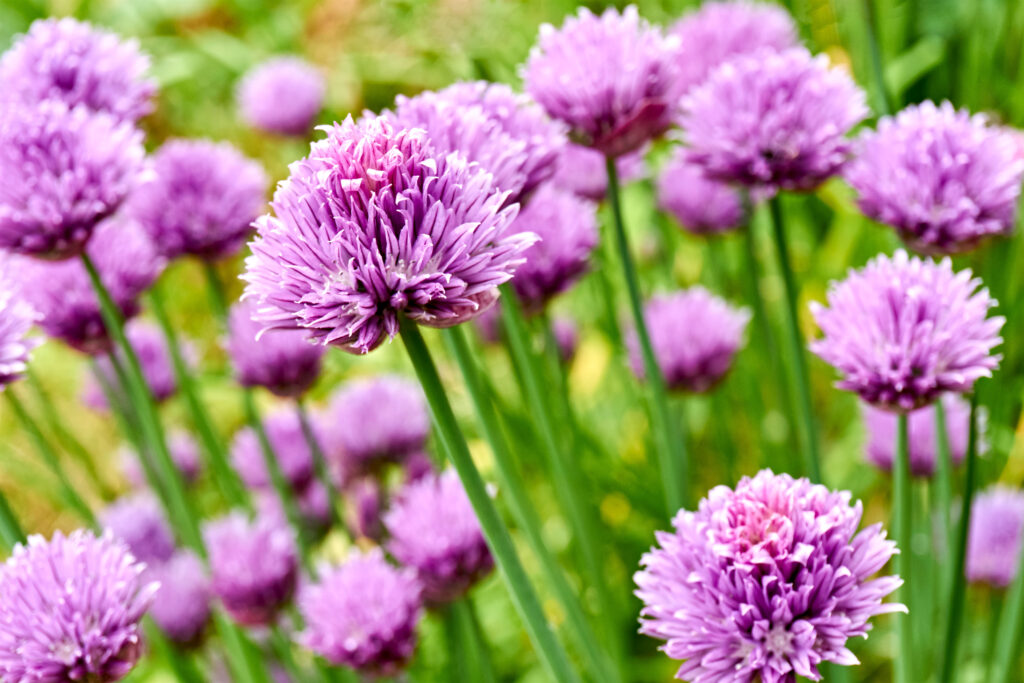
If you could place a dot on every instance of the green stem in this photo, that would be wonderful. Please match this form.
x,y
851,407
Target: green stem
x,y
959,581
466,611
514,492
243,659
11,532
319,462
797,359
902,527
886,104
943,491
215,290
462,654
671,450
50,457
498,538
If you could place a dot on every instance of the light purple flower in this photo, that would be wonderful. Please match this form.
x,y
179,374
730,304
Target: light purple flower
x,y
64,171
16,320
903,330
182,605
765,582
63,295
773,120
70,609
719,32
363,614
881,430
78,64
613,79
254,566
283,361
287,440
995,535
373,225
695,336
184,453
581,170
944,179
701,205
139,522
200,199
282,95
150,347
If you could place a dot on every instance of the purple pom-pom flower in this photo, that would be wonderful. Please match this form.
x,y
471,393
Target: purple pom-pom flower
x,y
287,440
70,609
363,614
282,95
995,536
701,205
881,428
903,330
765,582
181,607
138,521
16,320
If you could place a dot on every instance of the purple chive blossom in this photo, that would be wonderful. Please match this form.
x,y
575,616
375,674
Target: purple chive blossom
x,y
701,205
16,320
63,294
78,64
581,170
64,171
881,429
490,124
773,120
613,79
283,361
200,199
254,566
722,31
139,522
150,346
567,227
903,330
70,609
361,437
363,615
995,534
943,178
765,582
284,431
184,453
695,336
282,95
182,605
434,530
374,225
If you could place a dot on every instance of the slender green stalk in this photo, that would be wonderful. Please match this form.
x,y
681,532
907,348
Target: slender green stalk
x,y
471,624
886,102
215,290
468,657
498,538
671,449
943,491
797,359
959,581
513,490
319,462
50,457
181,663
1008,638
246,665
11,532
902,527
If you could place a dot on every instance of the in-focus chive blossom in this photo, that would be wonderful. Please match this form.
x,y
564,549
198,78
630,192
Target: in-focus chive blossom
x,y
70,609
701,205
773,121
182,606
944,179
903,330
64,171
254,566
581,170
284,362
62,294
200,199
612,79
695,336
880,424
374,225
282,95
151,349
995,536
184,452
284,431
139,522
363,614
434,530
16,320
720,32
78,64
765,582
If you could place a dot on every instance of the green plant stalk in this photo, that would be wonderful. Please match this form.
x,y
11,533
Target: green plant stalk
x,y
50,457
943,491
498,538
215,291
1008,637
468,659
466,611
795,348
126,418
11,532
246,666
902,527
319,462
513,490
671,449
958,586
225,477
181,663
886,103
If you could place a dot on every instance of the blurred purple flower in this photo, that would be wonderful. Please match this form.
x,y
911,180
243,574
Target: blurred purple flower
x,y
581,170
313,502
373,225
70,609
363,496
150,346
139,522
182,605
903,330
881,429
613,79
701,205
287,440
16,320
567,337
184,452
765,582
282,95
943,178
995,535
